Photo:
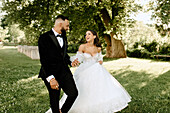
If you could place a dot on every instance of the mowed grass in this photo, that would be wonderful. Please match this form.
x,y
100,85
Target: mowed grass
x,y
147,81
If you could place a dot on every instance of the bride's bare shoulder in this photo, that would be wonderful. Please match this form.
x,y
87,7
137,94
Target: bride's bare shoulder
x,y
81,48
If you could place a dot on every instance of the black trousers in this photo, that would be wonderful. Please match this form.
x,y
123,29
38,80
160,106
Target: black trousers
x,y
68,85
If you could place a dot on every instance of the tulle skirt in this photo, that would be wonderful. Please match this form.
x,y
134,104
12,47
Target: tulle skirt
x,y
99,91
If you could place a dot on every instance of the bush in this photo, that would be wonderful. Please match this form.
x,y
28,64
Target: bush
x,y
151,47
164,49
145,54
138,53
9,44
136,45
134,53
73,48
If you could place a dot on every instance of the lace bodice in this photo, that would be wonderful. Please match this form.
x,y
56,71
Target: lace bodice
x,y
86,57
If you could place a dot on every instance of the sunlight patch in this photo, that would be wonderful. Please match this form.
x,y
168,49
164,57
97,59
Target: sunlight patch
x,y
44,92
125,74
9,47
163,92
28,79
73,69
31,99
154,69
142,84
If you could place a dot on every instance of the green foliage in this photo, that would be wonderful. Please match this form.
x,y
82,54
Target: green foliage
x,y
138,53
164,49
13,32
161,14
151,47
3,23
9,44
22,92
37,16
140,34
33,17
136,45
148,50
73,48
8,38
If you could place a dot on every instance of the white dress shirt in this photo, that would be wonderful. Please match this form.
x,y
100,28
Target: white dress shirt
x,y
60,41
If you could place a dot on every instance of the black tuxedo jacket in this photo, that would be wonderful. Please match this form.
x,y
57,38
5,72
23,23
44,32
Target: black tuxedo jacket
x,y
54,59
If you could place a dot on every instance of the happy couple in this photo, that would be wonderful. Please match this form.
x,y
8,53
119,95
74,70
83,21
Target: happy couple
x,y
92,89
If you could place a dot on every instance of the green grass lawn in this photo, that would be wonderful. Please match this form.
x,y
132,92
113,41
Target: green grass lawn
x,y
147,81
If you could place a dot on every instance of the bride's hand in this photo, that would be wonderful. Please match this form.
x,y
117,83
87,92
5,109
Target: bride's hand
x,y
75,62
100,62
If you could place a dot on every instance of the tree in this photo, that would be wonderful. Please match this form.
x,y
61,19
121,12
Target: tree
x,y
139,34
161,14
33,17
107,17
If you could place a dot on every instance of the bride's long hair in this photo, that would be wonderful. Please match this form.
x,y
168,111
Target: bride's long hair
x,y
96,40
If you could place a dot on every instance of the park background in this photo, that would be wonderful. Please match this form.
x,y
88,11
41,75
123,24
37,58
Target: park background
x,y
132,32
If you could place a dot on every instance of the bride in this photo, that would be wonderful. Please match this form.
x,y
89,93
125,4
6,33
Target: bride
x,y
99,91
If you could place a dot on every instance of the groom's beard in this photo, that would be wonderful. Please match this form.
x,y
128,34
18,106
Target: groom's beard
x,y
63,32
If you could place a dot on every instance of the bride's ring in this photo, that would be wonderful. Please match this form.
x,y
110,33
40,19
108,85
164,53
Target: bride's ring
x,y
56,86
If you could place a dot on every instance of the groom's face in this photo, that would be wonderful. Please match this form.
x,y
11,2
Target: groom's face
x,y
65,25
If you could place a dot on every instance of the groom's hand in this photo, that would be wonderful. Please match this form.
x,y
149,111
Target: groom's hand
x,y
54,84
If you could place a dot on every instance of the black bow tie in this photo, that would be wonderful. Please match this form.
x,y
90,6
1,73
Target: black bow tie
x,y
59,36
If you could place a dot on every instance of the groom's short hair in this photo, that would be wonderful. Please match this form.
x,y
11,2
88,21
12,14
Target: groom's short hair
x,y
61,17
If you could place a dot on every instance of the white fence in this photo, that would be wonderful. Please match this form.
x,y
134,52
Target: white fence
x,y
1,44
30,51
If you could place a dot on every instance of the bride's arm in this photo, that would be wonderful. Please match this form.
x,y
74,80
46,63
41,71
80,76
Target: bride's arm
x,y
100,57
76,60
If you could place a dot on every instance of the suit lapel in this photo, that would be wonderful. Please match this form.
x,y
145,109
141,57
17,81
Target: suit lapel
x,y
54,39
65,47
65,43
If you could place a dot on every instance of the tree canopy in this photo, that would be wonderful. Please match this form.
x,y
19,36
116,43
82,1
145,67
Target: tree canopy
x,y
37,16
162,15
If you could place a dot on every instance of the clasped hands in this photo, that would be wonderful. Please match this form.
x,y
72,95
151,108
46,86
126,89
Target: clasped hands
x,y
75,63
54,83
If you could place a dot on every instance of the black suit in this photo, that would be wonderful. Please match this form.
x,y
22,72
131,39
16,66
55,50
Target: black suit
x,y
54,61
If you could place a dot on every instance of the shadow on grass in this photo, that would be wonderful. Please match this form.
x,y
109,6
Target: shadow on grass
x,y
19,93
148,95
27,97
105,59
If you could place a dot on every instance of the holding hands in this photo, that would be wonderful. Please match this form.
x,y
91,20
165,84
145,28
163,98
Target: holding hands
x,y
75,63
100,62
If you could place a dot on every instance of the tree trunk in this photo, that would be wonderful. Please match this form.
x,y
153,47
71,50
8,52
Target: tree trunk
x,y
115,48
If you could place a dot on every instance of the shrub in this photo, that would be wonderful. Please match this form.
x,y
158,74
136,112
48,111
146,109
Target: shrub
x,y
151,47
73,48
164,49
136,45
145,54
9,44
138,53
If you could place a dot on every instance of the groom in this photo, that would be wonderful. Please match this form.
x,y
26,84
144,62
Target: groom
x,y
54,65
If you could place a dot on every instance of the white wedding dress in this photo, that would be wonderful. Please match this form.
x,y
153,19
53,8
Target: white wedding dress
x,y
99,91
